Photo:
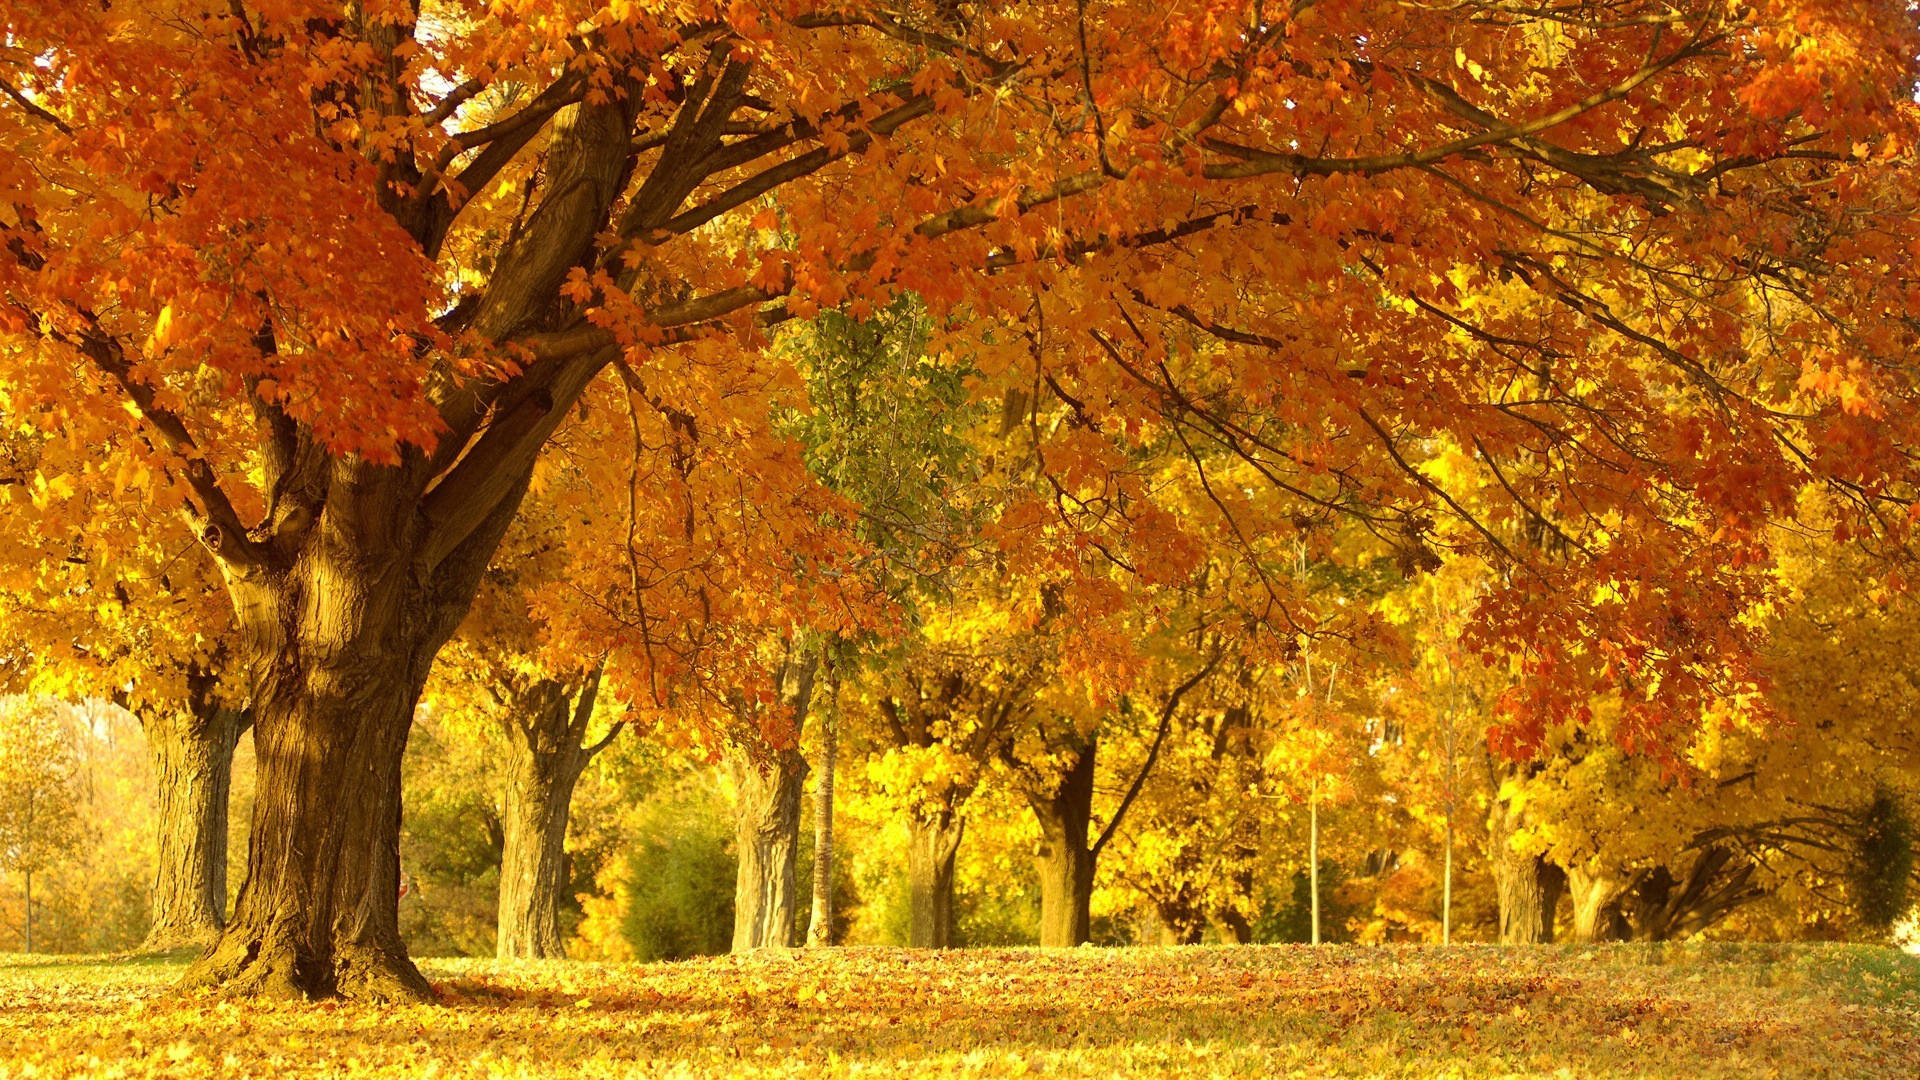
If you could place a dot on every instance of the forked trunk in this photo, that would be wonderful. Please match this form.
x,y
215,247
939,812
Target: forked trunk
x,y
932,843
338,642
1064,858
1234,927
359,570
1178,919
1667,906
1178,923
546,756
192,753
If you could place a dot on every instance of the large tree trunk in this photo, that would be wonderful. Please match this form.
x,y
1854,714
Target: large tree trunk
x,y
1528,886
358,572
546,755
339,639
1529,890
318,914
932,842
192,752
1064,858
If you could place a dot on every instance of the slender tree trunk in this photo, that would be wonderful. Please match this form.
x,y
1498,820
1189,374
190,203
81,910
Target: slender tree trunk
x,y
546,756
1313,857
533,854
820,919
932,843
29,928
1065,859
192,754
1446,889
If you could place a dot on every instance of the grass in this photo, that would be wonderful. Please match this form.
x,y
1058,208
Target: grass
x,y
1468,1012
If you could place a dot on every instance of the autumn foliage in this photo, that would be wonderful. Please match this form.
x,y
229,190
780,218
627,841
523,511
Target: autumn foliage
x,y
1056,373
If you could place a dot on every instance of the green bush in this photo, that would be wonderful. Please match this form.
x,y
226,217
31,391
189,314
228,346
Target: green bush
x,y
1883,864
1288,916
680,876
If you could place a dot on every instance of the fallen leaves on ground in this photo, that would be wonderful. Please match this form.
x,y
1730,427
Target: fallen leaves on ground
x,y
1285,1011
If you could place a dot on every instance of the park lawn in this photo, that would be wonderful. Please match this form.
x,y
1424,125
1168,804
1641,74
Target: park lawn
x,y
1625,1011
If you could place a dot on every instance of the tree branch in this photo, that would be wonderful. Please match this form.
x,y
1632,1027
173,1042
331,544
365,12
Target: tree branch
x,y
1153,754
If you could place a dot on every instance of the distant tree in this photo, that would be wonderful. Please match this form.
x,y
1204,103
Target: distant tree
x,y
40,793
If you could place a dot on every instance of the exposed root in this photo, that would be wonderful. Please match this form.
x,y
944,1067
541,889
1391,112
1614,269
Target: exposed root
x,y
166,939
362,973
245,966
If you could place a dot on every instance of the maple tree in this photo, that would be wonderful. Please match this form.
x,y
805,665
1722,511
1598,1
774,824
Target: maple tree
x,y
1053,762
148,655
940,711
1207,832
546,713
325,279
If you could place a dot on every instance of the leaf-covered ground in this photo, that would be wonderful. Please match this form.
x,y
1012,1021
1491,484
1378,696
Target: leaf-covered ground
x,y
1747,1012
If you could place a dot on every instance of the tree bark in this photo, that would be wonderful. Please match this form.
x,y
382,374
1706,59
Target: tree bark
x,y
338,638
546,755
318,914
932,842
1528,886
192,752
1596,897
359,569
820,919
767,817
767,832
1065,858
